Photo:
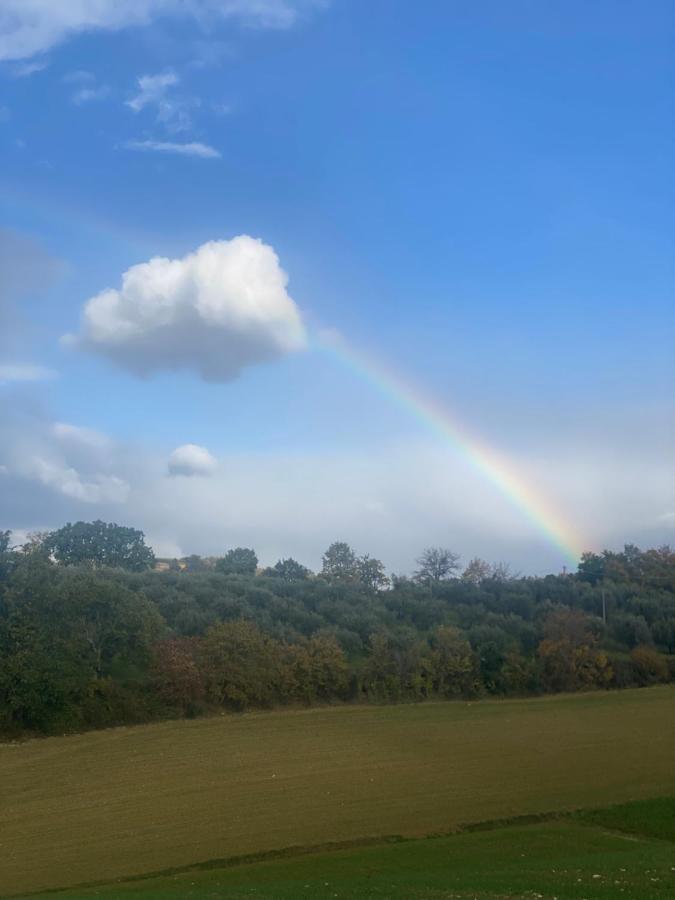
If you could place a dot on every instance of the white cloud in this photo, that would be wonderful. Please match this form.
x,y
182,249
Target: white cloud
x,y
90,94
10,372
215,311
193,148
45,464
26,69
68,481
172,111
77,434
29,27
191,459
390,504
78,76
152,89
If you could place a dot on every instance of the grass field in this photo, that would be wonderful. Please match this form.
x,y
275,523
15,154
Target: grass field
x,y
108,805
573,857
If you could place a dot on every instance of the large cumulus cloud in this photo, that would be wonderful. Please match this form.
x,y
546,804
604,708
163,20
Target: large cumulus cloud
x,y
215,311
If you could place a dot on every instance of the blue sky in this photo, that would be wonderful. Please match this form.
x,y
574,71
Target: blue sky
x,y
480,194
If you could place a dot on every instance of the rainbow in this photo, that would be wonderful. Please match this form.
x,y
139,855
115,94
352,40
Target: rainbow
x,y
483,459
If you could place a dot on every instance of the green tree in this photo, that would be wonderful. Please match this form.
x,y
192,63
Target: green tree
x,y
288,570
649,666
381,675
340,563
99,544
240,665
6,555
175,673
371,574
240,561
65,636
456,673
568,655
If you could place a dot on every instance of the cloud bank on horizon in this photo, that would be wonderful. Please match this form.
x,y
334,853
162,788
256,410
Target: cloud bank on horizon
x,y
213,312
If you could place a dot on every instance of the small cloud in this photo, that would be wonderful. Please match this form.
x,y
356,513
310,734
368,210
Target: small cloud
x,y
89,94
77,434
152,89
68,481
208,54
192,148
214,311
78,77
222,109
11,372
172,112
191,460
26,69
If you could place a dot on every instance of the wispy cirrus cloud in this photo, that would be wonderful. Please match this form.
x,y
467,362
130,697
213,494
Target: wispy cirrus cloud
x,y
90,94
30,27
171,110
26,69
152,89
190,148
12,372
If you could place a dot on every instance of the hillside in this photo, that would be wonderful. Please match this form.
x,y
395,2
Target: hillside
x,y
127,801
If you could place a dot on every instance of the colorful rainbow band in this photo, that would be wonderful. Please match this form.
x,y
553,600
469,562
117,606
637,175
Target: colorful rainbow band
x,y
489,464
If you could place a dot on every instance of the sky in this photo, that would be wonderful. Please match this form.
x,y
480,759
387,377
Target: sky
x,y
275,273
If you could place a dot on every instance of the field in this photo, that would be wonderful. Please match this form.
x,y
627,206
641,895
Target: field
x,y
600,856
116,804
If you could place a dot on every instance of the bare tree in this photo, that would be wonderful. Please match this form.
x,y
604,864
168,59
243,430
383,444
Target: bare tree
x,y
436,564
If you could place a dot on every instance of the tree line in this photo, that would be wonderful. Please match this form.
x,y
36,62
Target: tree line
x,y
92,634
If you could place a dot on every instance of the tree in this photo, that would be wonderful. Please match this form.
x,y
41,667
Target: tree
x,y
240,561
175,673
99,544
241,666
568,654
381,675
436,564
66,635
477,571
455,668
591,568
370,573
288,570
6,555
339,563
501,572
649,665
195,563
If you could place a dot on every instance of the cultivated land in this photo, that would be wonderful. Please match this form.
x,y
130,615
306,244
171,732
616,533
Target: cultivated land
x,y
613,853
111,804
